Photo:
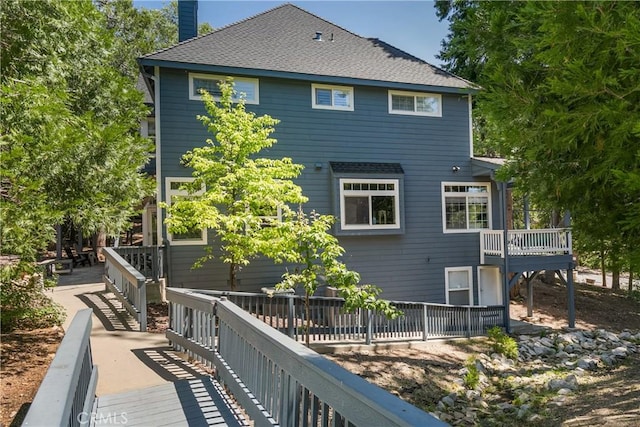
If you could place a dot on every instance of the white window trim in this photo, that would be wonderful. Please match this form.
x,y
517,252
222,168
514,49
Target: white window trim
x,y
169,192
270,219
349,89
444,207
198,97
469,270
415,94
395,193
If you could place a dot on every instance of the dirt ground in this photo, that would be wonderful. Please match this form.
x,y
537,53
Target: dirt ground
x,y
25,358
421,375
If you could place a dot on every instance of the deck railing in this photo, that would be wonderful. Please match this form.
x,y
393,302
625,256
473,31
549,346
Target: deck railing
x,y
127,284
276,380
148,260
330,323
554,241
68,390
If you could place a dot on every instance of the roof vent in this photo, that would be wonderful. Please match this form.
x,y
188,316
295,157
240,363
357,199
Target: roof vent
x,y
318,36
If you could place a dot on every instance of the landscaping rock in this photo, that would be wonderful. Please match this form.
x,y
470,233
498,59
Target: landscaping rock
x,y
535,371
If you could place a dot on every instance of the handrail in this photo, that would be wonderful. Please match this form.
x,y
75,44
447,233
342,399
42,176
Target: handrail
x,y
276,380
127,284
552,241
68,390
148,260
330,323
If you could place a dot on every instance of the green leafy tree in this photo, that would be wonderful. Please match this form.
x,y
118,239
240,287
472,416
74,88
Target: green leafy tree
x,y
561,96
68,137
138,31
241,190
304,240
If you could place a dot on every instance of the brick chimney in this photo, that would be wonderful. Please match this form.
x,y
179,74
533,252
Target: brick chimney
x,y
187,19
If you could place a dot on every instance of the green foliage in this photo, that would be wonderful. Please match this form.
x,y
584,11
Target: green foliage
x,y
240,189
68,144
472,377
503,343
139,31
561,102
23,303
305,240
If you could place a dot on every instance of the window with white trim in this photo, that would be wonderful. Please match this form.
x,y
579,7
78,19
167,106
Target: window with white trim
x,y
369,204
466,207
270,215
148,130
175,190
331,97
459,285
415,103
245,87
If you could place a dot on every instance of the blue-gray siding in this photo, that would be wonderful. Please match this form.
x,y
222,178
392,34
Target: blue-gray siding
x,y
407,266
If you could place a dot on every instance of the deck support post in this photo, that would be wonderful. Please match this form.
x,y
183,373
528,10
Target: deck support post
x,y
571,298
529,295
502,188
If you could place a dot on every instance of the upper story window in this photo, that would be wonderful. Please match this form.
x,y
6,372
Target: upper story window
x,y
246,88
415,103
175,191
466,207
369,204
332,97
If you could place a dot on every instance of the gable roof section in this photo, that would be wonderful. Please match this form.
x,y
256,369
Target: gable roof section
x,y
281,40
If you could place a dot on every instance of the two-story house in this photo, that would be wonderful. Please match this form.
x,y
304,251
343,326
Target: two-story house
x,y
385,138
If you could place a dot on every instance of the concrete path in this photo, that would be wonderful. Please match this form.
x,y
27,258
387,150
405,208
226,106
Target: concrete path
x,y
126,358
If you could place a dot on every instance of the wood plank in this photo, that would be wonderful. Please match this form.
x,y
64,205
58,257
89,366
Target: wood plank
x,y
194,402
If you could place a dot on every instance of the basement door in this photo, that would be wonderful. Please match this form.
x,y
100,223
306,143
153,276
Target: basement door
x,y
489,286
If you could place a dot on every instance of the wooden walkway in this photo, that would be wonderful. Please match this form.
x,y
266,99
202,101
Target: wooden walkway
x,y
195,402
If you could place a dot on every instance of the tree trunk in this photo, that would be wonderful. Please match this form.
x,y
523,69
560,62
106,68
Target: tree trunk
x,y
101,242
307,313
615,279
630,288
549,277
232,275
603,268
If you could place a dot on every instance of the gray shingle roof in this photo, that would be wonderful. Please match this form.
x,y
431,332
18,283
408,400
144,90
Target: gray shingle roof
x,y
282,40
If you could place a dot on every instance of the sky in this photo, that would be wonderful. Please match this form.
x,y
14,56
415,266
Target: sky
x,y
411,26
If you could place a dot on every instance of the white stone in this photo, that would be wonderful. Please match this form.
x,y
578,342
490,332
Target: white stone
x,y
620,352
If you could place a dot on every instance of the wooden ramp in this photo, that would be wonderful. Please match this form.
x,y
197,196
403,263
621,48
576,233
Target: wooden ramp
x,y
193,402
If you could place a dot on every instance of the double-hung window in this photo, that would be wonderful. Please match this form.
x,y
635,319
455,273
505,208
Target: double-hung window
x,y
466,207
175,191
369,204
246,88
458,282
330,97
415,103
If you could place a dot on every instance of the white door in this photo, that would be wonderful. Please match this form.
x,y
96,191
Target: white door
x,y
490,285
149,225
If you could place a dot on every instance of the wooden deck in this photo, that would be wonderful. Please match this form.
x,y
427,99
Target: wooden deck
x,y
193,402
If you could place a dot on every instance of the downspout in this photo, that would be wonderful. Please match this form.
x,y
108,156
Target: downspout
x,y
505,247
